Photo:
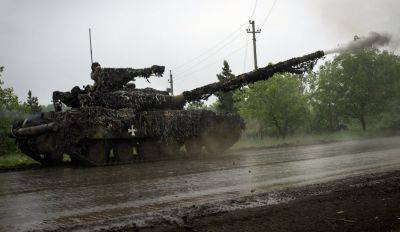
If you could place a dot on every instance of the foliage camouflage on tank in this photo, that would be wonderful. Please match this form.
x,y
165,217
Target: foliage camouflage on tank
x,y
112,122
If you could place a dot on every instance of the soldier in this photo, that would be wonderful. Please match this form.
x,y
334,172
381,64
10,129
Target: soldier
x,y
95,68
70,98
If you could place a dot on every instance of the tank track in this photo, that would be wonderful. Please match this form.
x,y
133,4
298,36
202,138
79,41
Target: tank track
x,y
28,147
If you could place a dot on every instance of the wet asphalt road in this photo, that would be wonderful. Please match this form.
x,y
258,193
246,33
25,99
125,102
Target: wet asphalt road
x,y
82,198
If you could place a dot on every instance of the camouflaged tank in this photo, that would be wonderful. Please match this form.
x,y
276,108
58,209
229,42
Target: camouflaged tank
x,y
115,123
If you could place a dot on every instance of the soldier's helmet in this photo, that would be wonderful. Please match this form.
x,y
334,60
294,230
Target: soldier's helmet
x,y
95,65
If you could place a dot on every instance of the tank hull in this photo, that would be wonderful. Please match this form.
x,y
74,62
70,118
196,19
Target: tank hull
x,y
96,136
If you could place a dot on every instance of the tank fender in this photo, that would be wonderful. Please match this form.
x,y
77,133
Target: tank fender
x,y
34,130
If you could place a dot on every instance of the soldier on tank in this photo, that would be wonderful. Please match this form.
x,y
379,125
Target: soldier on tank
x,y
96,68
70,98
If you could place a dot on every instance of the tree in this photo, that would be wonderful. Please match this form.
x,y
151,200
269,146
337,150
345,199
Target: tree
x,y
8,109
8,100
325,110
196,105
391,118
225,103
32,103
47,108
358,86
279,103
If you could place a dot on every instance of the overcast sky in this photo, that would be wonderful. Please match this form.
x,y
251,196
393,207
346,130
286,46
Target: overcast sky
x,y
44,44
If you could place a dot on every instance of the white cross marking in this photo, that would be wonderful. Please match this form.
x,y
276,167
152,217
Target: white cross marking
x,y
132,131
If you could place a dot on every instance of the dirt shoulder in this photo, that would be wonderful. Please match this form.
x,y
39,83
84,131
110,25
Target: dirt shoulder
x,y
364,203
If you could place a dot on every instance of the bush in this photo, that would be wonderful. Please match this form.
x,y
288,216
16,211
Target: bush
x,y
7,145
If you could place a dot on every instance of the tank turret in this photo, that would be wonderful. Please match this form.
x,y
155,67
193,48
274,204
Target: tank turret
x,y
106,80
115,123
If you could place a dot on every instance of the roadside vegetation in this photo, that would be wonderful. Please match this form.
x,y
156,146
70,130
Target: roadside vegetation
x,y
12,110
14,160
350,96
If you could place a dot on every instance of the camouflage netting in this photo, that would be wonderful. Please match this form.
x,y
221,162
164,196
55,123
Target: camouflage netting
x,y
170,125
175,124
136,99
111,79
145,90
76,125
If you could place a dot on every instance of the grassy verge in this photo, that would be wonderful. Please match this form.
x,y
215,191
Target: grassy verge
x,y
16,160
306,139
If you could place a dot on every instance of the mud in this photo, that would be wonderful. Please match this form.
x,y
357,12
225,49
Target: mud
x,y
364,203
177,193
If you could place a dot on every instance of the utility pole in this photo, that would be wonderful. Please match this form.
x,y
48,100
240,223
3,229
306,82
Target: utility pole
x,y
254,31
171,84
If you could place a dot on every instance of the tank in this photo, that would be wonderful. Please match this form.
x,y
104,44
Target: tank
x,y
115,123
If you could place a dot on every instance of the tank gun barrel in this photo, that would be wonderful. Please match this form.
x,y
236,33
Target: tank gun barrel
x,y
296,65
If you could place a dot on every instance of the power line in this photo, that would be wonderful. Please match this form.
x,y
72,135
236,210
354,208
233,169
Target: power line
x,y
245,53
214,62
254,9
269,13
204,59
211,48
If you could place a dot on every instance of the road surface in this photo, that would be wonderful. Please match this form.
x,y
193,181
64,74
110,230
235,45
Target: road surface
x,y
141,194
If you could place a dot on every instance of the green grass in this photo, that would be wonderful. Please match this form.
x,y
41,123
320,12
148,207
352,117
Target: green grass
x,y
15,160
306,139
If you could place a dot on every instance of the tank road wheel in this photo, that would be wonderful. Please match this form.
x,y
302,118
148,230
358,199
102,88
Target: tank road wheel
x,y
220,140
193,146
47,159
54,159
98,153
170,149
149,151
215,145
124,152
29,148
